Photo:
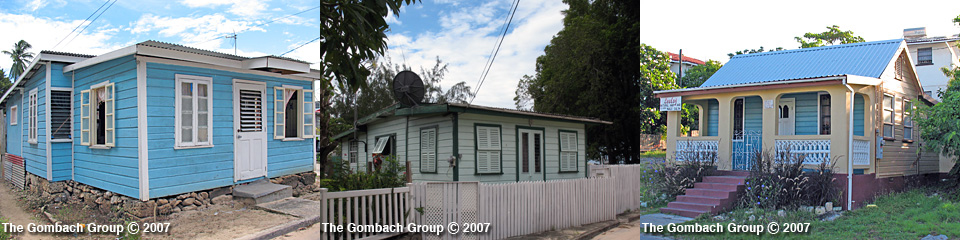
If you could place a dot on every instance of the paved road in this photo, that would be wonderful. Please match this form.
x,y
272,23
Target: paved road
x,y
634,229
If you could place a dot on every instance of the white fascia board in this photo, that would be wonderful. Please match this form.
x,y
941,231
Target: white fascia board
x,y
855,79
186,56
21,77
62,58
753,84
102,58
278,63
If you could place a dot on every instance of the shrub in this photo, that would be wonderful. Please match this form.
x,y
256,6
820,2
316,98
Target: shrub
x,y
673,178
342,178
780,182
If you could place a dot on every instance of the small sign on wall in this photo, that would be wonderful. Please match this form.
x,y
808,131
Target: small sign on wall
x,y
670,104
767,103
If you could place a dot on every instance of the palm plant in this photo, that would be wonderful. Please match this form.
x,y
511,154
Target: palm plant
x,y
20,55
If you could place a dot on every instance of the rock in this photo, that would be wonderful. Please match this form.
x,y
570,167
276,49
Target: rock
x,y
753,218
115,199
163,201
782,213
308,178
193,195
101,200
143,209
175,210
189,208
56,187
108,194
204,195
222,199
937,237
837,209
165,209
829,206
189,201
183,196
289,181
177,203
820,210
220,192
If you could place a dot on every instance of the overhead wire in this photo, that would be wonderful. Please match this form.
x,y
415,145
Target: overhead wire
x,y
493,57
263,23
91,22
81,24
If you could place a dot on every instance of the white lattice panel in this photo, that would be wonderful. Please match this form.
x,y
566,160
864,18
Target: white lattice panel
x,y
815,151
689,148
861,152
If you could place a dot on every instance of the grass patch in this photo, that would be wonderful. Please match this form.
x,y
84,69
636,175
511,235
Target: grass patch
x,y
654,154
907,215
4,235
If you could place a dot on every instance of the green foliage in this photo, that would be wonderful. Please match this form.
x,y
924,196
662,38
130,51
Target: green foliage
x,y
128,236
21,56
4,235
597,67
696,75
832,36
353,32
749,51
939,125
780,182
4,82
342,178
673,178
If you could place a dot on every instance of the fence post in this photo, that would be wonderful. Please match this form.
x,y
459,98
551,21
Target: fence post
x,y
324,217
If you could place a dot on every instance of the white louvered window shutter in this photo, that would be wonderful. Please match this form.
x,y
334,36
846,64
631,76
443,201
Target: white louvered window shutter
x,y
109,116
568,151
488,149
428,150
307,102
279,106
85,117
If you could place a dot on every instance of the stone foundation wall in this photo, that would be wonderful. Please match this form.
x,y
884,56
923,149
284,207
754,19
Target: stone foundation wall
x,y
71,192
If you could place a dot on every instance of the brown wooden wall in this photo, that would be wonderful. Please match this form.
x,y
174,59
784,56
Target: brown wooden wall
x,y
900,156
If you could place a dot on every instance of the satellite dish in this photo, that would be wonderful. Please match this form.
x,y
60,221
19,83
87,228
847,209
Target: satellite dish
x,y
408,88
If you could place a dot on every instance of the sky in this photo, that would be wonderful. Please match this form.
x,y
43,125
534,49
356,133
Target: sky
x,y
461,33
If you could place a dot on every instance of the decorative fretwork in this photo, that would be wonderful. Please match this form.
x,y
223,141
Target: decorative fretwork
x,y
812,151
861,152
689,149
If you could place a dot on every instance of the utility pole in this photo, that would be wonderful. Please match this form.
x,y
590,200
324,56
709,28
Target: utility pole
x,y
234,36
680,74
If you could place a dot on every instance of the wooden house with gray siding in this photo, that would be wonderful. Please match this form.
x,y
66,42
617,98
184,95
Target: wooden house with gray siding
x,y
461,142
157,119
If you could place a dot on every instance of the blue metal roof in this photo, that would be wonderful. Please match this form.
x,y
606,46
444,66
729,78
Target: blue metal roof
x,y
867,59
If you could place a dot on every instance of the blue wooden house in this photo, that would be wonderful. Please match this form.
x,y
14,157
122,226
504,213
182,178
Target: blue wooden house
x,y
157,119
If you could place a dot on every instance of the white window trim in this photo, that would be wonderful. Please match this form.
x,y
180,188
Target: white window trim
x,y
498,149
820,113
353,147
903,121
178,132
575,150
50,101
14,115
893,115
428,150
91,135
32,131
300,120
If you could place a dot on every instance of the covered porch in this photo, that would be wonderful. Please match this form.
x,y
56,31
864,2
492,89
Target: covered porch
x,y
810,119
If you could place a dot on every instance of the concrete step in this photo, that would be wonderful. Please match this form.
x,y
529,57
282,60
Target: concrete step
x,y
711,193
724,179
694,206
682,212
718,186
734,173
261,191
703,200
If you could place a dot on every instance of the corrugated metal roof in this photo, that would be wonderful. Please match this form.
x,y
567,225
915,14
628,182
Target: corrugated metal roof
x,y
182,48
867,59
67,54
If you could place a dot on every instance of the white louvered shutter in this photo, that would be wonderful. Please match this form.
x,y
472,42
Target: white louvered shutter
x,y
488,149
308,114
568,151
494,136
279,106
428,150
109,116
85,117
483,142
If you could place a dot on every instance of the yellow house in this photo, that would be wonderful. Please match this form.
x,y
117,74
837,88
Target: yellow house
x,y
843,104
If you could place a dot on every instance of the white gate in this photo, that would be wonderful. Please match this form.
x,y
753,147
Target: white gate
x,y
745,147
448,202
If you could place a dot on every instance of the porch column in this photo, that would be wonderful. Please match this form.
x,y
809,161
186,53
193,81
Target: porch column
x,y
840,127
769,121
673,133
725,132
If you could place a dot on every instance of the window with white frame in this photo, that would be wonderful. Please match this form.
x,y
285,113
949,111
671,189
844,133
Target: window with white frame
x,y
924,56
97,116
32,117
888,116
568,151
907,120
60,114
193,115
293,113
354,146
824,114
14,115
488,149
428,149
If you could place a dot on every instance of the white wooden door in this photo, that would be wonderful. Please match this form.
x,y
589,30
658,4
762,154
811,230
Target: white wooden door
x,y
786,111
250,147
531,153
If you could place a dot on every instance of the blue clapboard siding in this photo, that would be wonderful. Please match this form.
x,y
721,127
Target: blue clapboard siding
x,y
57,77
174,171
14,136
35,154
713,117
753,114
61,152
806,113
114,169
858,115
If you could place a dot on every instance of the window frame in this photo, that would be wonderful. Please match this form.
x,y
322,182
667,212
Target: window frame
x,y
743,118
195,81
436,132
69,118
820,113
892,111
907,120
899,68
921,62
32,122
575,151
301,120
353,151
14,115
477,149
109,103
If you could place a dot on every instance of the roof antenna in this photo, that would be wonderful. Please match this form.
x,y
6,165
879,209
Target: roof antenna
x,y
234,36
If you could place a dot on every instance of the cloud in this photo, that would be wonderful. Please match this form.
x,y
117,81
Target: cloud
x,y
467,37
244,8
392,19
44,33
202,32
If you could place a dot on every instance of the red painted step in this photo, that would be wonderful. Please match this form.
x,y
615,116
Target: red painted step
x,y
724,179
711,193
714,195
718,186
703,200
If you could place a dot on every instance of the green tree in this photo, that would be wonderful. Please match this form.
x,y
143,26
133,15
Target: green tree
x,y
21,55
939,125
749,51
597,67
832,36
696,75
4,82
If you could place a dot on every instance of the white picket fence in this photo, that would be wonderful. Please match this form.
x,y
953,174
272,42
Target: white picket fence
x,y
511,209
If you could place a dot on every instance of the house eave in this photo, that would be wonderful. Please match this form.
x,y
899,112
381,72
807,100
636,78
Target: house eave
x,y
41,57
749,86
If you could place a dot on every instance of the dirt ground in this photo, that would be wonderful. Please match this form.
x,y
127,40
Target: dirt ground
x,y
225,221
